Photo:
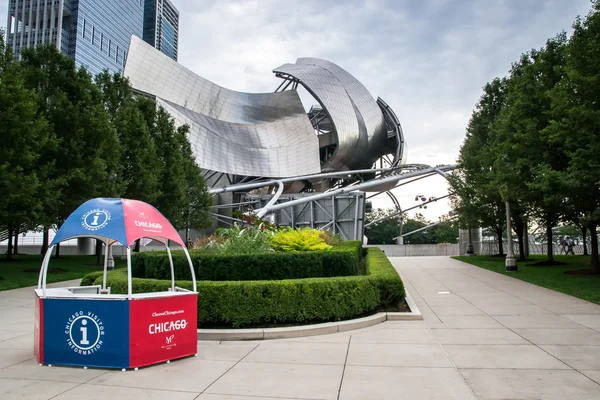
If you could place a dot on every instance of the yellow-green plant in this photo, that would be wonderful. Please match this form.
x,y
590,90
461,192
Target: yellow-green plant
x,y
304,239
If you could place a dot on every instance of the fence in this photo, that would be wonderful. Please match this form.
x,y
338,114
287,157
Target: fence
x,y
491,247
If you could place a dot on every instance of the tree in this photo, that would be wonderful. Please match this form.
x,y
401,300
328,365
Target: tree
x,y
446,232
140,171
385,231
421,237
87,156
475,191
576,124
23,139
529,165
198,200
184,197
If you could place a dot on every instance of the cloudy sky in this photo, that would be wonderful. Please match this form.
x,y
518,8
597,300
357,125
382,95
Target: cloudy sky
x,y
427,59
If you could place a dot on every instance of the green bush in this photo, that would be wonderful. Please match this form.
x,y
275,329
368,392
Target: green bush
x,y
342,260
243,303
247,240
303,239
89,279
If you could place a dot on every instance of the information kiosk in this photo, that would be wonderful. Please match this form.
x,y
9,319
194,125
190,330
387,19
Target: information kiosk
x,y
89,326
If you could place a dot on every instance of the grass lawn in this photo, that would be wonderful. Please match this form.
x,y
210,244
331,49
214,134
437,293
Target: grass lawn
x,y
24,270
585,287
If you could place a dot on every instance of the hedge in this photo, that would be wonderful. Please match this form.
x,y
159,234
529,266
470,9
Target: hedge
x,y
244,303
342,260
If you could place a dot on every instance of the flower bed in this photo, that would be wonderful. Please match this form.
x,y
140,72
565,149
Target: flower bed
x,y
246,303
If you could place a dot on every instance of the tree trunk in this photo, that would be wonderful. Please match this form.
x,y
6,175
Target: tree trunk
x,y
525,238
136,247
584,238
519,226
10,244
45,237
16,247
594,243
550,250
99,252
57,253
500,245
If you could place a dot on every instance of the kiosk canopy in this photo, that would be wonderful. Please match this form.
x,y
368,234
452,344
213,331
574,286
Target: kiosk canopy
x,y
122,220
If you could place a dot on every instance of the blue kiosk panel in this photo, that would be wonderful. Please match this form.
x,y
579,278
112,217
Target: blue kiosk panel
x,y
86,332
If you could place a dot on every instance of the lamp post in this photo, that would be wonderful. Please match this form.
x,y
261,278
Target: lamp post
x,y
470,249
511,261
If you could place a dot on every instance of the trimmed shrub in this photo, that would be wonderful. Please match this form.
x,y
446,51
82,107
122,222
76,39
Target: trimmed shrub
x,y
380,269
244,303
89,279
342,260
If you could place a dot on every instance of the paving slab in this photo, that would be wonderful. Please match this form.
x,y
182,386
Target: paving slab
x,y
503,309
210,396
30,369
397,355
537,321
394,383
10,357
31,389
234,351
503,384
584,308
383,336
477,336
502,356
445,311
8,335
560,336
467,322
587,320
280,380
505,300
578,357
103,392
300,353
189,375
592,374
23,342
404,325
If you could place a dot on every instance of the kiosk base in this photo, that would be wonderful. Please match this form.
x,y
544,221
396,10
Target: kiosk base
x,y
112,331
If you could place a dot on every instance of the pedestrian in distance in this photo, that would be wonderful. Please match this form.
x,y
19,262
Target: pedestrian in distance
x,y
570,243
562,245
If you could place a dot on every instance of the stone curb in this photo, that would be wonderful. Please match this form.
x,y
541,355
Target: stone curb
x,y
312,330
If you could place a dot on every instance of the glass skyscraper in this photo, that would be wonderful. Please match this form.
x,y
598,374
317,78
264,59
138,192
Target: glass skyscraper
x,y
161,26
96,33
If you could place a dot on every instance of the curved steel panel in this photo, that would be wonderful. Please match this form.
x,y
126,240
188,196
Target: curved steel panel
x,y
334,99
152,72
273,149
254,134
365,104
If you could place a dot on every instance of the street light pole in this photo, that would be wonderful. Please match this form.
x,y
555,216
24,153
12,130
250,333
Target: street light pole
x,y
470,250
511,261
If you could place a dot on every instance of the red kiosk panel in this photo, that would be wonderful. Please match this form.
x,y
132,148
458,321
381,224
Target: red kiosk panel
x,y
162,329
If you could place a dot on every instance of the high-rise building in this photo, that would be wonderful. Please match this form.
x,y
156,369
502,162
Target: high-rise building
x,y
96,33
161,26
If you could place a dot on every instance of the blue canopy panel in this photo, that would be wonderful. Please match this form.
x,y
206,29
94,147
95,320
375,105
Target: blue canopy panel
x,y
102,218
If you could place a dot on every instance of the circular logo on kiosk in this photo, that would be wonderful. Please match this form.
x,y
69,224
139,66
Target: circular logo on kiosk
x,y
95,219
84,333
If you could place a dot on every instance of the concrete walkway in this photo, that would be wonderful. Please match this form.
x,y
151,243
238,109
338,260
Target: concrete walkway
x,y
490,337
